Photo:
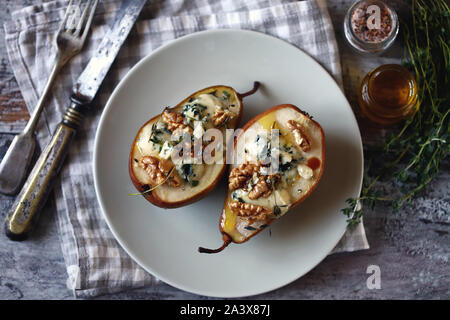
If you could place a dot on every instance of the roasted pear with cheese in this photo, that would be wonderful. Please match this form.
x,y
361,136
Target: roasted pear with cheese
x,y
170,176
280,158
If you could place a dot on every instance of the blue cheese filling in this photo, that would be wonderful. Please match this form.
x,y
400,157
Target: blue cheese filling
x,y
198,114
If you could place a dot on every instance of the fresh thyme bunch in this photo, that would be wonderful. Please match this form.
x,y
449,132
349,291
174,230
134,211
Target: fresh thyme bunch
x,y
411,157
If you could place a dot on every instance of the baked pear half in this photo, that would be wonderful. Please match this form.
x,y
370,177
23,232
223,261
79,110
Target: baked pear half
x,y
152,167
280,159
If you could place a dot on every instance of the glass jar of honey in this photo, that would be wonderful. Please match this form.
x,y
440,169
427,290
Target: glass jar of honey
x,y
388,94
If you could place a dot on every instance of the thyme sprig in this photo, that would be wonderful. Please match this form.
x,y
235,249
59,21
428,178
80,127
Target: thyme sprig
x,y
411,158
156,186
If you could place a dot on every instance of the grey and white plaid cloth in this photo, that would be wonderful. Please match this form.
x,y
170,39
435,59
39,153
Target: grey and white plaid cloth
x,y
96,264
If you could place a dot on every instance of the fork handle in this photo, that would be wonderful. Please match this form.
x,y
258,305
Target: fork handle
x,y
35,192
36,114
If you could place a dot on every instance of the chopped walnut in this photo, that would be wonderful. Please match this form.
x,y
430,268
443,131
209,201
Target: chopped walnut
x,y
221,116
264,186
157,170
175,122
250,212
239,176
301,138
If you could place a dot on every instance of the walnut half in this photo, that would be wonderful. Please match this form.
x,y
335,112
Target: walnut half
x,y
157,171
239,175
175,122
250,212
221,116
301,138
264,186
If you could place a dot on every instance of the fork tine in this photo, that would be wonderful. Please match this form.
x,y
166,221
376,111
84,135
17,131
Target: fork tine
x,y
66,15
89,21
82,19
73,16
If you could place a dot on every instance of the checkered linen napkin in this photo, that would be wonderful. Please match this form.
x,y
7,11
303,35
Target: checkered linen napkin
x,y
96,264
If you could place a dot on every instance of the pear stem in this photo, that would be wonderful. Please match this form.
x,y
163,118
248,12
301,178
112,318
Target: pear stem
x,y
256,85
226,241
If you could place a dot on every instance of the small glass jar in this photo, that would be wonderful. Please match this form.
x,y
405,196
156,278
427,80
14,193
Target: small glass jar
x,y
388,94
371,26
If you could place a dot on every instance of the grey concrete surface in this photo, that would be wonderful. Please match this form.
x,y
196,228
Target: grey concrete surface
x,y
411,247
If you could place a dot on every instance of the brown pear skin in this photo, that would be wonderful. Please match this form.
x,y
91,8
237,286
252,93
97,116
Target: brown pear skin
x,y
152,196
227,238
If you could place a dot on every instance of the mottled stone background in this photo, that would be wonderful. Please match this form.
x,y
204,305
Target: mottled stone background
x,y
411,246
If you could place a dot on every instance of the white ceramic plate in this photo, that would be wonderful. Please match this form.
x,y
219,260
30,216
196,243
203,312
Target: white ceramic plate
x,y
164,242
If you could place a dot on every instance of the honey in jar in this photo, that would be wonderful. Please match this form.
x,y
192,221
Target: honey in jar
x,y
388,94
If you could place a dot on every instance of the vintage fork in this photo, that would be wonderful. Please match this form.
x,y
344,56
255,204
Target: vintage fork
x,y
70,38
